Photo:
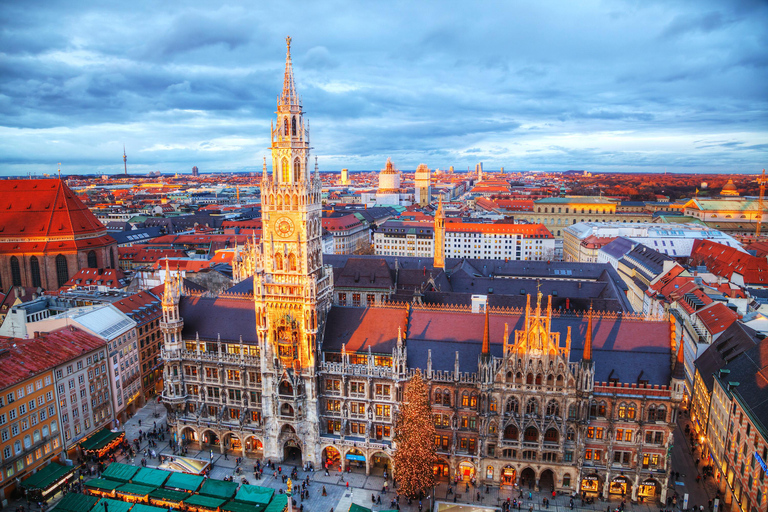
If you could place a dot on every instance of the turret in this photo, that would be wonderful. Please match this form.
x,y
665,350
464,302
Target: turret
x,y
439,259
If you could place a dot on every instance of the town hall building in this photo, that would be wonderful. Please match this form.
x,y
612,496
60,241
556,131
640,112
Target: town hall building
x,y
535,389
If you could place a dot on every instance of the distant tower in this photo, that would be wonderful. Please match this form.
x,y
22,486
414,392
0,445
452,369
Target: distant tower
x,y
389,179
194,171
125,161
439,260
502,170
479,171
450,170
345,176
423,184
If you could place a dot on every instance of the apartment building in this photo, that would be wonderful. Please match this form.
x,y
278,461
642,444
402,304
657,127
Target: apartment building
x,y
403,238
499,241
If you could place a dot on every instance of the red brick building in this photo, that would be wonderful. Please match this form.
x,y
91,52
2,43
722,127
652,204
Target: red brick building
x,y
47,235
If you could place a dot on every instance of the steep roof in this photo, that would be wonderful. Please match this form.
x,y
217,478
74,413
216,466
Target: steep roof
x,y
733,342
210,318
750,370
44,208
726,261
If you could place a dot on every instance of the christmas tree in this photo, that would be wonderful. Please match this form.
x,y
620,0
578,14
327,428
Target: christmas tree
x,y
415,441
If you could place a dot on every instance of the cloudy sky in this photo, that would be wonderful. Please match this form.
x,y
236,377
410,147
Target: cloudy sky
x,y
636,85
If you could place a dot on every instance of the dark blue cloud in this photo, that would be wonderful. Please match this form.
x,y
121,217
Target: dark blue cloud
x,y
550,85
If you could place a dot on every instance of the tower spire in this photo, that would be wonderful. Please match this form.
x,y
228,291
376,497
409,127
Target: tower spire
x,y
289,88
439,258
587,356
125,161
486,351
678,371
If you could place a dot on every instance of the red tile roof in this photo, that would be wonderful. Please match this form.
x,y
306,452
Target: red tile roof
x,y
37,210
26,358
141,307
726,261
717,317
109,277
522,229
340,223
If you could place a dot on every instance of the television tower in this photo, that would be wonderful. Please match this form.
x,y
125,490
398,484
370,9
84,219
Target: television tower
x,y
125,161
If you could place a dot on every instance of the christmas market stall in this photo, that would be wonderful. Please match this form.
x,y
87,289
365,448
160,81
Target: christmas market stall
x,y
218,489
278,504
102,487
183,482
102,442
168,498
150,476
134,493
76,502
46,481
199,503
253,496
109,505
140,507
119,472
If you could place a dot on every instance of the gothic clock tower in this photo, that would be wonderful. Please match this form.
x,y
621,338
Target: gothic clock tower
x,y
292,290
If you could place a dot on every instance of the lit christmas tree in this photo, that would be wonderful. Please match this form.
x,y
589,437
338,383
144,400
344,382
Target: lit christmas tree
x,y
415,441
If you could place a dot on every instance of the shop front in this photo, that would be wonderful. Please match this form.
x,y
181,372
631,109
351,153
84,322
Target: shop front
x,y
466,471
620,485
355,459
508,475
441,469
649,489
590,486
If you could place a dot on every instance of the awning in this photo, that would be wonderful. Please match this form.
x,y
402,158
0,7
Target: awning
x,y
357,508
278,504
103,484
150,476
47,477
100,439
218,489
140,507
184,465
112,506
254,494
237,506
204,502
119,472
135,489
183,482
76,502
168,495
352,456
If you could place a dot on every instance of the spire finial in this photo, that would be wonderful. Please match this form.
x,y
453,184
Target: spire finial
x,y
289,88
486,349
587,356
288,43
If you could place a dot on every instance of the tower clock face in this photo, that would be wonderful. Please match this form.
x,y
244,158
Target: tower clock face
x,y
284,227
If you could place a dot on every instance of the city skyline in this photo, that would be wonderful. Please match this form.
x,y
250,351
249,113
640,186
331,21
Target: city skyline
x,y
625,87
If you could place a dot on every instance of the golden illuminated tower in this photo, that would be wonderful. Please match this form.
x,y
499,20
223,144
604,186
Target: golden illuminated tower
x,y
292,290
439,260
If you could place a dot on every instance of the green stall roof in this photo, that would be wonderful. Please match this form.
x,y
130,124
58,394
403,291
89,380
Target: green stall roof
x,y
120,472
100,439
112,506
197,500
46,477
184,481
278,504
218,489
140,507
357,508
76,502
169,495
136,489
103,484
150,476
254,494
236,506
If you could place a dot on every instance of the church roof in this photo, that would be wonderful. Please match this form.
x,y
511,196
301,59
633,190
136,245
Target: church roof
x,y
37,210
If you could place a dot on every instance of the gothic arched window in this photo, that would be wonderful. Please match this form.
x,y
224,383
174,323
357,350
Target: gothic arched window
x,y
553,408
278,261
512,406
296,169
293,126
532,407
285,126
291,262
34,270
511,433
62,270
92,259
286,171
15,271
